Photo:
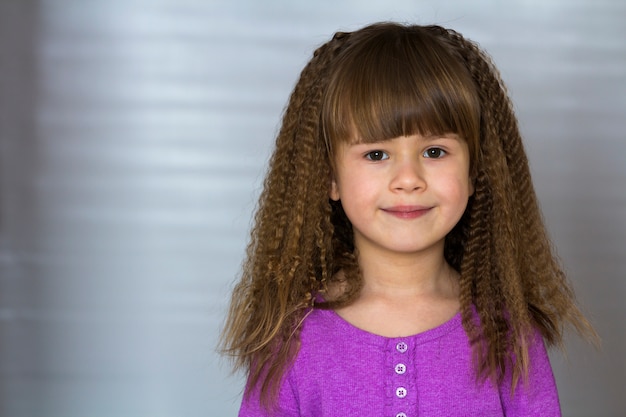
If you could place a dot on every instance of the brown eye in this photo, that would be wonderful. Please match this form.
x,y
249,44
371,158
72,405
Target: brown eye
x,y
434,153
376,155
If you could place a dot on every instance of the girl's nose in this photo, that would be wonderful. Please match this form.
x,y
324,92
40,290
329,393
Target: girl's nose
x,y
408,176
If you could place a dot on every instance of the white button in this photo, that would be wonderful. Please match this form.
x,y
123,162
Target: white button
x,y
401,347
401,392
401,415
400,368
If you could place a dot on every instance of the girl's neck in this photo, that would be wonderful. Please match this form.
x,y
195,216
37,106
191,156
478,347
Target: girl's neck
x,y
425,275
403,297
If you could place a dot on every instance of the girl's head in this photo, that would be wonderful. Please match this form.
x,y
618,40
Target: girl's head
x,y
386,81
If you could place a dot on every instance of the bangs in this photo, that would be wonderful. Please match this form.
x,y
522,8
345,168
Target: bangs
x,y
401,82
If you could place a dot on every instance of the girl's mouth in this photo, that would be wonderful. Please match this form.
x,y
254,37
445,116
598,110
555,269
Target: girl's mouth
x,y
407,212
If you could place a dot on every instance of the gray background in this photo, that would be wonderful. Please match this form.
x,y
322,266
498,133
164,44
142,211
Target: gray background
x,y
133,140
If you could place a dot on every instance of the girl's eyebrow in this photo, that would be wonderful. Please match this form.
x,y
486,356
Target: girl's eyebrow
x,y
453,136
378,142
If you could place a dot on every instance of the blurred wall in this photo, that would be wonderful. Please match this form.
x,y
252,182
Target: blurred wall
x,y
133,141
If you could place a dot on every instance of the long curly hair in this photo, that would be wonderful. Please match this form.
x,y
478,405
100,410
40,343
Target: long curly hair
x,y
380,82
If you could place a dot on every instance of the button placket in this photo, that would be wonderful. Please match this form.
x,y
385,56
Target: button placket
x,y
400,382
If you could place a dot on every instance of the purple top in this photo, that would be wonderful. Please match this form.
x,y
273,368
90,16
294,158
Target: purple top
x,y
343,371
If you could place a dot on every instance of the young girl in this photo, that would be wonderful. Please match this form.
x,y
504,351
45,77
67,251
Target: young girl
x,y
398,265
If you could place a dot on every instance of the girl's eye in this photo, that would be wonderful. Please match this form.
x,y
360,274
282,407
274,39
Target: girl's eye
x,y
376,156
434,153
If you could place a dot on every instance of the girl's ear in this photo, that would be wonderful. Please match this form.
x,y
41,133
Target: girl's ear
x,y
471,186
333,192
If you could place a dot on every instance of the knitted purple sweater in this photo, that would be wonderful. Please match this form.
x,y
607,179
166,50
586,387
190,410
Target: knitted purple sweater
x,y
344,371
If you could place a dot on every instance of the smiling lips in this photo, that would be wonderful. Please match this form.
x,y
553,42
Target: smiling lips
x,y
407,212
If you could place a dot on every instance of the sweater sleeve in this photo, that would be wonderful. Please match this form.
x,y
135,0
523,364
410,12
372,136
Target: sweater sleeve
x,y
286,406
537,396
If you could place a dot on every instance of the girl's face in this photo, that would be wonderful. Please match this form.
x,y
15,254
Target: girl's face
x,y
403,195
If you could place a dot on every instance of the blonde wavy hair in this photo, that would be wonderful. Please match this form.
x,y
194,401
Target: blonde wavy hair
x,y
380,82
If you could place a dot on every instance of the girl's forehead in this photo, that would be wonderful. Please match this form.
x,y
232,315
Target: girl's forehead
x,y
356,141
